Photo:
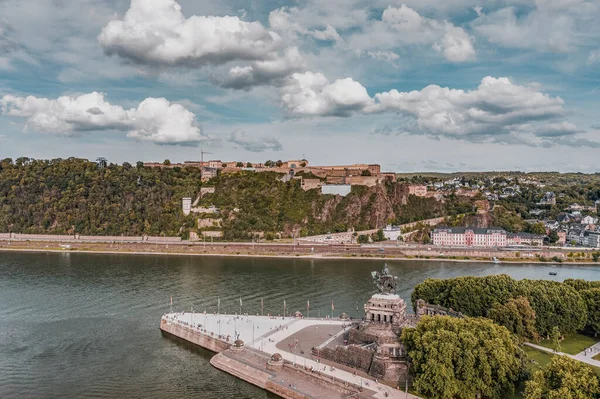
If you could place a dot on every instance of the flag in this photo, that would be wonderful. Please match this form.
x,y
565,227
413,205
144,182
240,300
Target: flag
x,y
308,304
284,304
171,300
218,301
240,301
332,307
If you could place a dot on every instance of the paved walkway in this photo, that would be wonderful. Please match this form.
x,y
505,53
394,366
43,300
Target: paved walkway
x,y
341,375
581,356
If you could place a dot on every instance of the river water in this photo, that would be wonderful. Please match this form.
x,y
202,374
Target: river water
x,y
83,325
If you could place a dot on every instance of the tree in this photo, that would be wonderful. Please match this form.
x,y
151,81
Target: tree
x,y
139,164
249,165
463,358
303,164
365,173
555,337
596,256
539,228
378,236
592,299
279,163
517,316
166,162
563,378
554,303
553,237
239,165
269,163
363,239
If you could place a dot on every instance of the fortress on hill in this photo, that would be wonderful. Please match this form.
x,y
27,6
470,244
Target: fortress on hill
x,y
354,174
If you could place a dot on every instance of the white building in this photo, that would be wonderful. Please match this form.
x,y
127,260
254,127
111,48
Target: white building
x,y
186,205
392,232
336,189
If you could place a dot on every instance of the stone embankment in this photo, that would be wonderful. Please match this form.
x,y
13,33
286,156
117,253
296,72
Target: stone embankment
x,y
290,381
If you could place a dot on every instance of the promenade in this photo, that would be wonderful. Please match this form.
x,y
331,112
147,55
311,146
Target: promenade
x,y
268,334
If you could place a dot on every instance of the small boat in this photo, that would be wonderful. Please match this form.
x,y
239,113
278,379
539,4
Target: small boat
x,y
495,260
553,273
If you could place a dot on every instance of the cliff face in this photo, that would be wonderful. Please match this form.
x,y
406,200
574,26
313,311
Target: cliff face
x,y
371,206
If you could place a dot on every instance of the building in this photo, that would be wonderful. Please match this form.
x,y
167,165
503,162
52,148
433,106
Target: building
x,y
527,239
297,163
418,190
309,184
208,173
392,232
548,199
186,205
216,164
589,220
336,189
469,237
593,239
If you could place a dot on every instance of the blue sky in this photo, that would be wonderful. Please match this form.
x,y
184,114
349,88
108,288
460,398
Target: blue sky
x,y
413,85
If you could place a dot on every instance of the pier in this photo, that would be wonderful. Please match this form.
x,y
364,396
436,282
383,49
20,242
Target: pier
x,y
275,353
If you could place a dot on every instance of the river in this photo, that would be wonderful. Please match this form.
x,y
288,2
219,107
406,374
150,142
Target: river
x,y
86,325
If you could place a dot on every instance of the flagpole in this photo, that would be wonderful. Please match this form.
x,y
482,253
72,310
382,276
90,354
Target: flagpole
x,y
171,304
262,307
218,305
308,308
332,308
240,306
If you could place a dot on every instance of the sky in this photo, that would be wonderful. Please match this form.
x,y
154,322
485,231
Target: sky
x,y
414,85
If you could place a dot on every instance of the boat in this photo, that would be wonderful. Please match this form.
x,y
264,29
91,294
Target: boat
x,y
495,260
553,273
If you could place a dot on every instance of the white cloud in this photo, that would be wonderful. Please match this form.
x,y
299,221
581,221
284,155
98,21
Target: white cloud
x,y
404,26
493,108
285,22
154,119
311,94
593,57
254,143
156,32
553,25
269,72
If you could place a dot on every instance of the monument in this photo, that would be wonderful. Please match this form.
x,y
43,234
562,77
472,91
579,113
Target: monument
x,y
374,345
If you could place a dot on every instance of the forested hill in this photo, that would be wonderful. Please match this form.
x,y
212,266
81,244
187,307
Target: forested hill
x,y
63,196
67,196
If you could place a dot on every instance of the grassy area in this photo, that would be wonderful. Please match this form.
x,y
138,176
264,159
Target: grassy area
x,y
597,357
572,344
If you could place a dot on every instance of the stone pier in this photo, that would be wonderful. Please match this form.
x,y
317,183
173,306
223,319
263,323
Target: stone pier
x,y
275,353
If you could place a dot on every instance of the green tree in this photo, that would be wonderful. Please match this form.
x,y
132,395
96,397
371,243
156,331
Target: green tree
x,y
365,173
239,165
539,228
563,378
463,358
553,237
363,239
554,303
596,256
166,162
249,165
555,337
378,236
517,316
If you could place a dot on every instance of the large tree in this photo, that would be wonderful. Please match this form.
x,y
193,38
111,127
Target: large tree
x,y
563,378
554,303
517,316
463,357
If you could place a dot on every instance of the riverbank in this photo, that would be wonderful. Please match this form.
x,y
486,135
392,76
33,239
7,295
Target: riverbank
x,y
290,251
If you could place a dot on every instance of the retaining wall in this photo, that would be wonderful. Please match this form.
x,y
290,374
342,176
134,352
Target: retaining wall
x,y
213,344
